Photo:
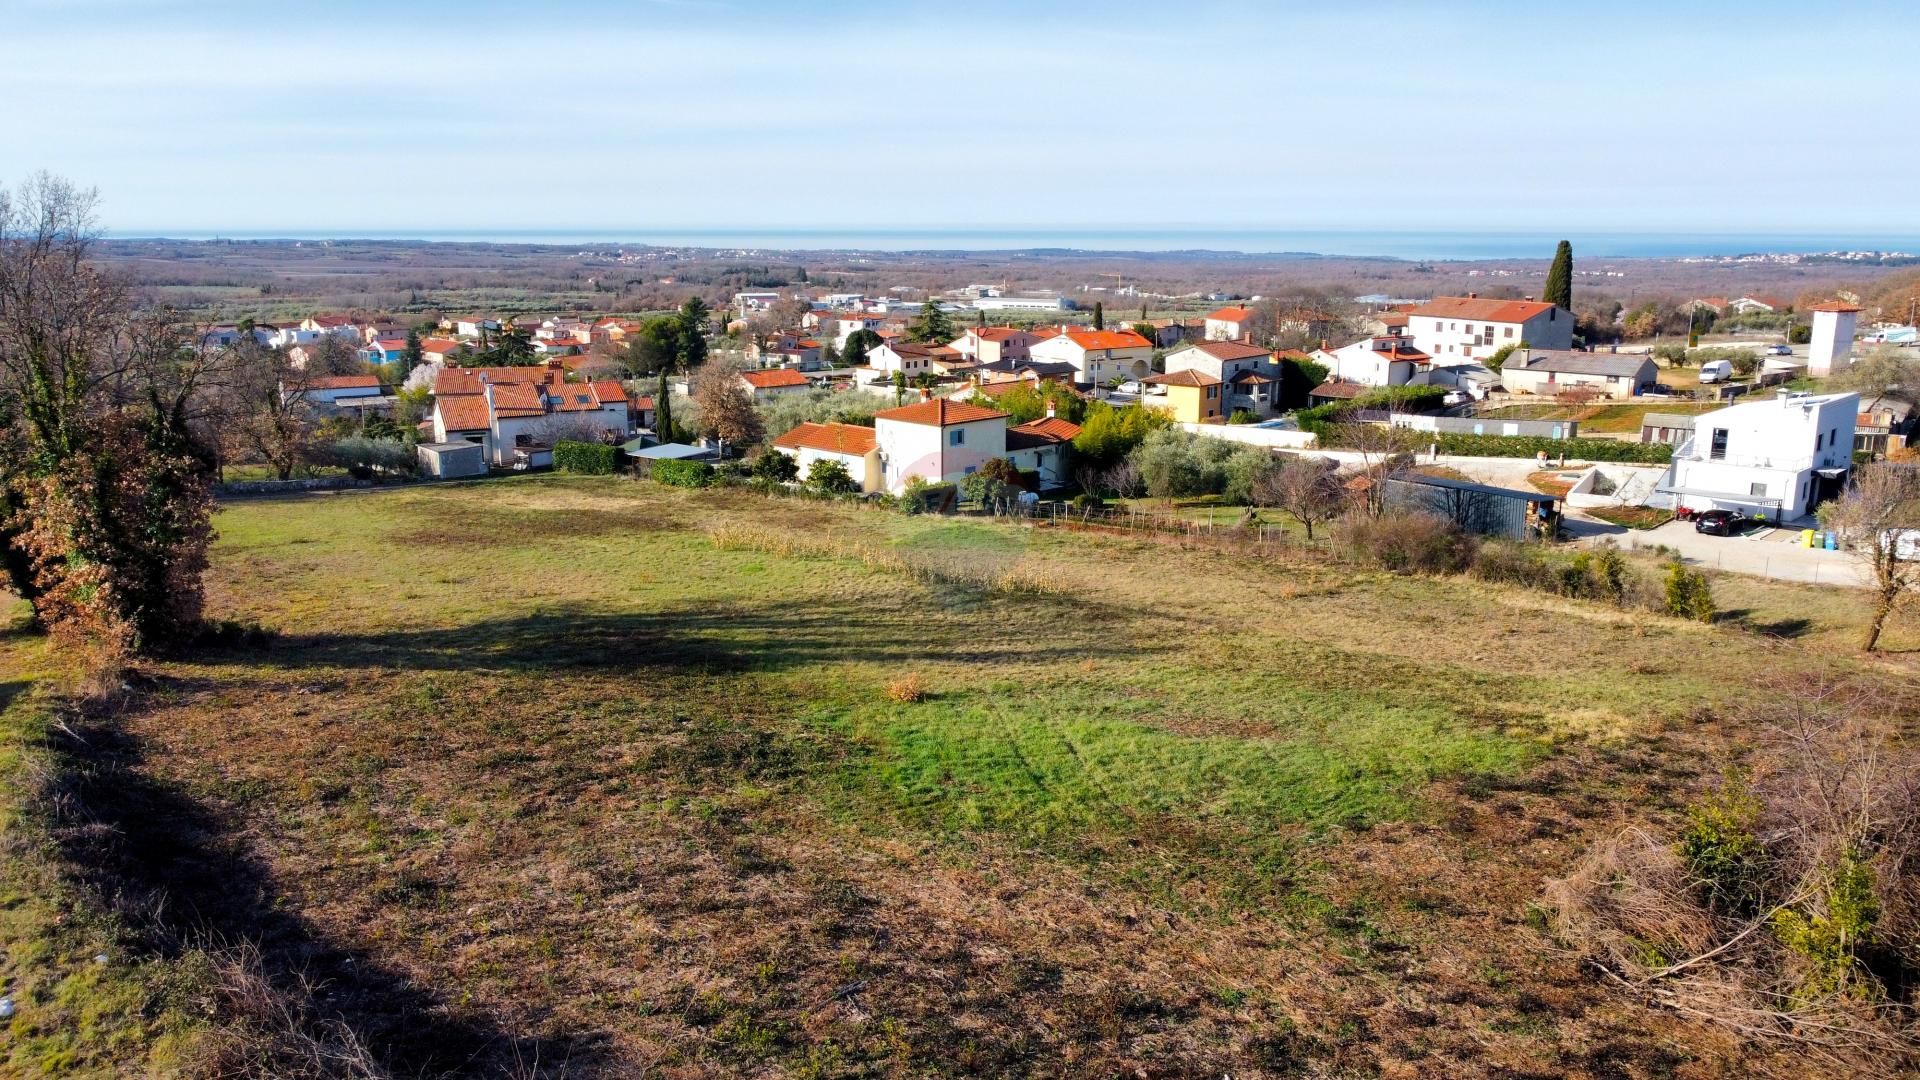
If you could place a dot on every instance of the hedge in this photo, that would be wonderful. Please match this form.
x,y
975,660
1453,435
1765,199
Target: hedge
x,y
594,459
693,474
1522,446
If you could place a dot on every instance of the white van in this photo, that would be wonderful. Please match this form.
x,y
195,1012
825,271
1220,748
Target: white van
x,y
1714,371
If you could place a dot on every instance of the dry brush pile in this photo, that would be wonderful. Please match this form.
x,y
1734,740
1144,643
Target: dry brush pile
x,y
1786,907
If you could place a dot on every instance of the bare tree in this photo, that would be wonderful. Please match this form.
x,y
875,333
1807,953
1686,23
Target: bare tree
x,y
1878,520
723,404
1307,488
268,413
1384,450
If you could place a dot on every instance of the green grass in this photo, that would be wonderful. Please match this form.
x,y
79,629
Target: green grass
x,y
591,758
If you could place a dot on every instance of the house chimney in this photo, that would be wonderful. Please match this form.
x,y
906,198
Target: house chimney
x,y
1473,296
1049,408
1529,298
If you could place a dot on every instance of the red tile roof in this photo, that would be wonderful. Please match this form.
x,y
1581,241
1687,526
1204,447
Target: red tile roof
x,y
440,345
940,412
768,380
1338,388
608,390
474,380
463,412
1838,306
1052,427
832,438
1108,339
518,399
1231,314
1469,307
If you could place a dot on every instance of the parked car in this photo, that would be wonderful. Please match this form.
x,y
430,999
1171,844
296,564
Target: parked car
x,y
1779,350
1718,522
1714,371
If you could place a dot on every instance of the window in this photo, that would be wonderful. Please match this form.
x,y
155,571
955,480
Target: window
x,y
1757,490
957,437
1509,331
1719,444
970,469
1818,438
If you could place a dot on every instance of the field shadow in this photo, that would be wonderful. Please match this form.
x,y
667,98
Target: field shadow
x,y
166,866
719,639
1743,619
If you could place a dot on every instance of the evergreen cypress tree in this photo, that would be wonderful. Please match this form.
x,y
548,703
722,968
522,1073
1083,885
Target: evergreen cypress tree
x,y
663,410
1560,278
1099,315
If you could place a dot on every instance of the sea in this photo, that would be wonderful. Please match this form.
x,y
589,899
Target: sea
x,y
1355,243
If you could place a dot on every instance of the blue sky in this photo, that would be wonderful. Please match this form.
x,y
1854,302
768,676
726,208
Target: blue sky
x,y
1698,116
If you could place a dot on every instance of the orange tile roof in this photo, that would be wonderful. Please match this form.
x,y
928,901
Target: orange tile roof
x,y
1838,306
608,390
994,333
1189,377
439,345
832,438
474,380
939,412
516,399
1108,339
1231,314
571,397
1470,307
1051,426
768,380
463,412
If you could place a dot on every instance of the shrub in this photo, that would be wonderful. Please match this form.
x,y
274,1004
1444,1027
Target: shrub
x,y
363,457
1242,416
907,689
593,459
775,467
1688,594
829,477
1174,464
922,496
1407,543
689,474
1722,849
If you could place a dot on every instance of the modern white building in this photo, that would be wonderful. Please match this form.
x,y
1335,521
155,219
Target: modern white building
x,y
938,440
1831,348
1023,303
1777,459
1455,329
1378,361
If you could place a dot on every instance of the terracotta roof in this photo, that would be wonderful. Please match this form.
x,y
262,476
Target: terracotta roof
x,y
332,320
940,412
1290,354
439,345
1250,377
767,380
474,380
1838,306
1051,426
1108,339
1231,314
572,397
1469,307
463,412
1229,350
994,333
517,399
1189,377
608,390
832,438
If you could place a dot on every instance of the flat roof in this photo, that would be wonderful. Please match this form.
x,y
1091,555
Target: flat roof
x,y
1466,485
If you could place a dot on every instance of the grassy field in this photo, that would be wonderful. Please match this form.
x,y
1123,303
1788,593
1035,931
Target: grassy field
x,y
552,776
1621,419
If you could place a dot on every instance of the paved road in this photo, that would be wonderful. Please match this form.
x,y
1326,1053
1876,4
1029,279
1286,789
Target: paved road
x,y
1769,553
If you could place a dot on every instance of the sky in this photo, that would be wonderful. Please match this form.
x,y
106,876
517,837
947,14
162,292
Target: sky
x,y
1703,115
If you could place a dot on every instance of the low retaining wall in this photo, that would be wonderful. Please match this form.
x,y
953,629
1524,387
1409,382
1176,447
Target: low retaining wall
x,y
286,487
1272,438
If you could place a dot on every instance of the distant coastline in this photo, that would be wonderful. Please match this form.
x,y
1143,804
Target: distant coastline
x,y
1418,246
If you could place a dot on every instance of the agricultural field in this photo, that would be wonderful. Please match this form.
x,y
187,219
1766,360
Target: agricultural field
x,y
588,777
1622,419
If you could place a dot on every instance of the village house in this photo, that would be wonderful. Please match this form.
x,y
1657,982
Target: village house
x,y
1229,324
1251,374
1191,397
774,382
385,351
1377,361
1099,357
331,389
853,446
1777,459
1760,305
339,326
444,352
990,344
1610,375
1455,329
517,413
938,440
1043,447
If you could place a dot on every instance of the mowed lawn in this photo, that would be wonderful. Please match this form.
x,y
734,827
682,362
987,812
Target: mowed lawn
x,y
619,780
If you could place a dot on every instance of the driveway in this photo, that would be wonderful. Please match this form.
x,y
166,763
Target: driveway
x,y
1768,553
